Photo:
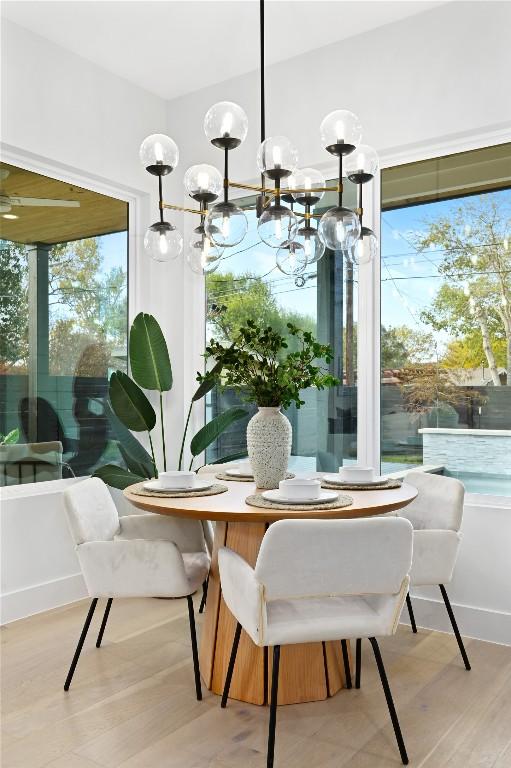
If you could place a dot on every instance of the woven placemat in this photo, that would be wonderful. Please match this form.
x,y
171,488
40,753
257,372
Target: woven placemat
x,y
347,487
257,500
244,478
139,490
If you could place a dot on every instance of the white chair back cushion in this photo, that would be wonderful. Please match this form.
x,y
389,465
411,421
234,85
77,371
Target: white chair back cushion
x,y
439,504
91,512
312,558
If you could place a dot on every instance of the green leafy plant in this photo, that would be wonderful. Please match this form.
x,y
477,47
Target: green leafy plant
x,y
129,409
257,361
10,438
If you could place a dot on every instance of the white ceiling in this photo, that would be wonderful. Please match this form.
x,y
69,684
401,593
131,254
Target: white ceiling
x,y
172,48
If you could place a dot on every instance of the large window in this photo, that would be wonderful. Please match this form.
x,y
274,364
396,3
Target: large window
x,y
63,316
247,284
446,317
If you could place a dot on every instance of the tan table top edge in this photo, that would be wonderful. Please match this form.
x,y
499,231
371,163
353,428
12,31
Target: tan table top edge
x,y
231,507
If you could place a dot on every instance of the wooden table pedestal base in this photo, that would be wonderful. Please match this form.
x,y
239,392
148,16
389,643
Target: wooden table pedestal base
x,y
310,672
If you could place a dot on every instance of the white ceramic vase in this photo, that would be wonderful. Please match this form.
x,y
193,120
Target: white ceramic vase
x,y
269,446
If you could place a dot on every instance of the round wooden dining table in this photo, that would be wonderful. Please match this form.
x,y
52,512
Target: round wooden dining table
x,y
308,672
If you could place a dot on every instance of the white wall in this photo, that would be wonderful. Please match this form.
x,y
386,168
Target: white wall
x,y
479,591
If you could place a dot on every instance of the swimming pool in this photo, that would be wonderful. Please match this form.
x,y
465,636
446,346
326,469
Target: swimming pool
x,y
493,485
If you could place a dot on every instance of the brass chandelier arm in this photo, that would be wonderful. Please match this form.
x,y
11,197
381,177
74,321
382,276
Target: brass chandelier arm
x,y
286,190
181,208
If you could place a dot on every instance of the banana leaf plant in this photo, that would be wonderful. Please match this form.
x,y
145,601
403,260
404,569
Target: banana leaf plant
x,y
129,409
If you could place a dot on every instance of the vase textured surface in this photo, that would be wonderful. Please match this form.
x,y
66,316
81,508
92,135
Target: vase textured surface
x,y
269,445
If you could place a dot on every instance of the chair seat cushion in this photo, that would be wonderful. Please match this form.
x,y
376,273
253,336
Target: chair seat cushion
x,y
308,620
434,557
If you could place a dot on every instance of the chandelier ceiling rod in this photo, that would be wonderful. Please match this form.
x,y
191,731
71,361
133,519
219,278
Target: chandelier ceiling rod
x,y
261,64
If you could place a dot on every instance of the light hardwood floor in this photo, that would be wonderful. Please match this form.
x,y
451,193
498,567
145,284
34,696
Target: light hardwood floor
x,y
132,704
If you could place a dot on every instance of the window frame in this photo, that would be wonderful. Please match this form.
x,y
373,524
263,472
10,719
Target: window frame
x,y
138,213
369,301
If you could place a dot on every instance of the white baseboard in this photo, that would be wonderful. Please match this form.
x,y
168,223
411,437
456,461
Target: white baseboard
x,y
480,623
42,597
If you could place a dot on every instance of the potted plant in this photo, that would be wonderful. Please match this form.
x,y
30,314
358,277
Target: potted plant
x,y
130,410
257,361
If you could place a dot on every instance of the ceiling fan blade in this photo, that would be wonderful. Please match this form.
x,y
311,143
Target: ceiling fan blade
x,y
39,201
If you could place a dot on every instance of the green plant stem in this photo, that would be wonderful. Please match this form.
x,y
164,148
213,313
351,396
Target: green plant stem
x,y
184,436
191,464
163,434
152,454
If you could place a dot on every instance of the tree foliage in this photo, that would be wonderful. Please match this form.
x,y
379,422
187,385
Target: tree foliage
x,y
476,295
233,300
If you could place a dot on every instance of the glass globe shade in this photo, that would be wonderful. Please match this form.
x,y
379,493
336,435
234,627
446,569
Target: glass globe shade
x,y
309,239
365,249
339,229
288,183
277,158
159,154
340,132
277,225
291,258
362,164
226,224
203,182
226,124
163,242
202,255
309,179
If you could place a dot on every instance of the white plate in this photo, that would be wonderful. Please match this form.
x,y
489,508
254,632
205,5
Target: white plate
x,y
155,485
238,473
279,497
337,480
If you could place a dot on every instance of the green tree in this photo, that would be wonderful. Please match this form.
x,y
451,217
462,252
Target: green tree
x,y
13,306
233,300
476,244
403,346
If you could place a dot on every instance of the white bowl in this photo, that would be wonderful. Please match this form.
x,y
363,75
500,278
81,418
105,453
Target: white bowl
x,y
356,473
300,488
177,479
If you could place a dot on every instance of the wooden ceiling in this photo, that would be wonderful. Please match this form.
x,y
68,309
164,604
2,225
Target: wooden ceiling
x,y
96,215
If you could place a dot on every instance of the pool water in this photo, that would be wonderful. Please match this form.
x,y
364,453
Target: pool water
x,y
493,485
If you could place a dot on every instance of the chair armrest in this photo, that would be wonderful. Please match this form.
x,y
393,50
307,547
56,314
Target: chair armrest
x,y
133,568
187,535
243,594
434,556
209,535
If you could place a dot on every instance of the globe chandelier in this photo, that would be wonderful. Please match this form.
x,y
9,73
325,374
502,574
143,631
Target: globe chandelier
x,y
299,240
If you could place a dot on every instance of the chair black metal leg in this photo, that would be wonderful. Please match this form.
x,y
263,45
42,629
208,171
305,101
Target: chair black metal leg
x,y
390,703
81,641
195,652
345,658
230,668
103,623
358,663
204,595
455,627
410,613
273,706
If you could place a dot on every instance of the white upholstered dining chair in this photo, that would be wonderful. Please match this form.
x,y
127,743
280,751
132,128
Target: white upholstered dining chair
x,y
319,580
133,556
436,514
